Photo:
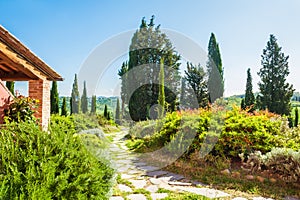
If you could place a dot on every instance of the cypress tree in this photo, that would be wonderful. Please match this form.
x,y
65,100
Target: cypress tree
x,y
275,92
117,114
11,86
84,101
183,95
296,117
105,113
243,106
54,99
249,96
196,79
148,46
215,70
64,111
75,100
108,116
71,109
94,104
123,76
161,93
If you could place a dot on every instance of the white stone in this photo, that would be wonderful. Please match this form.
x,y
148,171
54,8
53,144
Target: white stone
x,y
261,198
124,188
152,188
116,198
156,196
207,192
179,183
138,184
155,181
126,176
166,186
149,168
136,197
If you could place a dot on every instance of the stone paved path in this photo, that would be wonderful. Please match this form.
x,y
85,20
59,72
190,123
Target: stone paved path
x,y
150,178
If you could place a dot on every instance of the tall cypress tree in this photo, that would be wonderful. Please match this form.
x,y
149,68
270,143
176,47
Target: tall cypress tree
x,y
10,86
148,46
296,117
123,76
75,97
161,93
117,114
275,92
94,104
105,113
243,106
84,101
196,79
108,116
249,96
64,111
215,70
54,99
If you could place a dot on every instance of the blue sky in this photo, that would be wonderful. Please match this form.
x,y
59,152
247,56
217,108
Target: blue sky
x,y
64,33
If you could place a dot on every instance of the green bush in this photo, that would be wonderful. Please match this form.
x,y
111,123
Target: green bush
x,y
21,109
54,165
76,122
85,121
245,133
221,133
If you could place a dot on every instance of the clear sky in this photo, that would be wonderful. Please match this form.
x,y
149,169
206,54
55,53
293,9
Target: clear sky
x,y
64,33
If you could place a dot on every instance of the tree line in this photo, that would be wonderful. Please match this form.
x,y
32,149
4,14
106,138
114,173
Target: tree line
x,y
152,84
78,104
151,79
153,67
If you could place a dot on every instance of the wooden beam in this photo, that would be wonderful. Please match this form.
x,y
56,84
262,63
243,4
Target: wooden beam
x,y
24,53
4,67
14,67
21,63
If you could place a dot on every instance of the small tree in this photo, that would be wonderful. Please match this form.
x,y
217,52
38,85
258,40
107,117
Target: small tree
x,y
243,106
105,113
117,114
123,76
196,79
64,111
75,100
54,99
11,86
296,117
94,104
108,116
84,101
215,70
249,96
275,92
161,93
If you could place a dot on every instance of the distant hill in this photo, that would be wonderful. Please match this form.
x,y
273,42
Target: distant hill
x,y
111,103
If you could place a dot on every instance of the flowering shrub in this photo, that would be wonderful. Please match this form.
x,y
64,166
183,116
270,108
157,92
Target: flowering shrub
x,y
21,109
222,133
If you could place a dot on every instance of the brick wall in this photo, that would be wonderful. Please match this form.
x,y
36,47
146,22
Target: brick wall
x,y
40,90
